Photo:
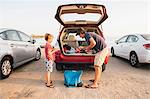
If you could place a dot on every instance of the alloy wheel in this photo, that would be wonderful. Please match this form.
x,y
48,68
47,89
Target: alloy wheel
x,y
133,59
6,67
38,55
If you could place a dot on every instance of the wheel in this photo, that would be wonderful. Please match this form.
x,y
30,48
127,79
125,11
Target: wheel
x,y
38,55
134,60
59,67
112,52
103,67
5,67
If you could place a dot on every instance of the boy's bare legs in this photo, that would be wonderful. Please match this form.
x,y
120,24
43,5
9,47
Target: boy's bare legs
x,y
48,78
49,82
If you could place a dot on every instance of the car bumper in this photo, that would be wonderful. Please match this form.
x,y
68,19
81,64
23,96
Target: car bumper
x,y
145,57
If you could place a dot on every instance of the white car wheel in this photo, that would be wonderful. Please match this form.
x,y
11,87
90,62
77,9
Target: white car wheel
x,y
112,52
134,59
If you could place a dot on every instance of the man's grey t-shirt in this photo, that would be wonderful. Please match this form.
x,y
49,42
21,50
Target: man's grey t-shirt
x,y
100,43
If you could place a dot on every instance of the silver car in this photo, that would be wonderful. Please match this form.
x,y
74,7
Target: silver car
x,y
16,48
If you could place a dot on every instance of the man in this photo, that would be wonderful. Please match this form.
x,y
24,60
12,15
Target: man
x,y
98,44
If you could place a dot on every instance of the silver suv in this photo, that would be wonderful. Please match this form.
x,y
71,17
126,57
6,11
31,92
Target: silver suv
x,y
16,48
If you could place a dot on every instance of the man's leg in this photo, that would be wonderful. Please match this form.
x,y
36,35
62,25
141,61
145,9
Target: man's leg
x,y
98,72
98,62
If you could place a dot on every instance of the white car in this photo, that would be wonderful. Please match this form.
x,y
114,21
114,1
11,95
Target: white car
x,y
16,48
135,48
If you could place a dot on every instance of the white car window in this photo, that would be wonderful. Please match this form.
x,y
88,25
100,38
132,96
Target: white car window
x,y
123,39
146,36
132,39
87,16
3,35
24,37
12,35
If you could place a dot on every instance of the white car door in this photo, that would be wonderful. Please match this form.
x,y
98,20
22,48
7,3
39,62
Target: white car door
x,y
131,45
119,48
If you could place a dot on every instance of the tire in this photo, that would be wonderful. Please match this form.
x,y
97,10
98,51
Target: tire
x,y
103,67
38,55
134,60
59,67
5,67
113,52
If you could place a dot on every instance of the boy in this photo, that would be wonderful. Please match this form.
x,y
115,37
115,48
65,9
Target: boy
x,y
50,57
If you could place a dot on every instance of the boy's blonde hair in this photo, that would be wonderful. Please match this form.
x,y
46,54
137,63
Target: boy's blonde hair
x,y
46,36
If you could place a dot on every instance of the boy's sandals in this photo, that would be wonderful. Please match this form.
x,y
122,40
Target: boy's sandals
x,y
90,86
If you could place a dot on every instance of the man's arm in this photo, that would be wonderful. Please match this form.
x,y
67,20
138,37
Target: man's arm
x,y
92,44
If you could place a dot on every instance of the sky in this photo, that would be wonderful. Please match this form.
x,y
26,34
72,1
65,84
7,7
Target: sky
x,y
37,16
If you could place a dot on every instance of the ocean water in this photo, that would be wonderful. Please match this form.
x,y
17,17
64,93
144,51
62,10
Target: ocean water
x,y
40,41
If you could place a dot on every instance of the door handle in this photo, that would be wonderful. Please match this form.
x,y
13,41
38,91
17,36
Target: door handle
x,y
11,45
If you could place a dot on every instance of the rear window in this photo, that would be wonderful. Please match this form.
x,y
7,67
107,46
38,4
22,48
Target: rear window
x,y
78,17
3,36
146,36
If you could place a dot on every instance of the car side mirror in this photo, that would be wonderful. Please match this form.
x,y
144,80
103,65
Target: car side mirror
x,y
32,41
116,42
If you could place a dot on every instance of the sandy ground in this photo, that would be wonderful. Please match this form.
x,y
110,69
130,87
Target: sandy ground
x,y
119,81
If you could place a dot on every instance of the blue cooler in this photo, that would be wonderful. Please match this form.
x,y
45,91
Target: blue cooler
x,y
72,78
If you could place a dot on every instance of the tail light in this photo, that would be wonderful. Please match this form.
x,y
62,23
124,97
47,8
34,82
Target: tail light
x,y
146,46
